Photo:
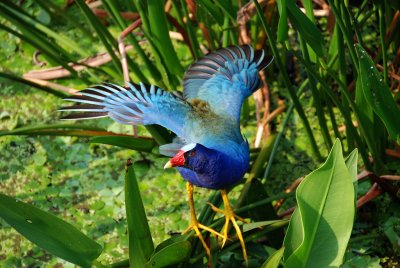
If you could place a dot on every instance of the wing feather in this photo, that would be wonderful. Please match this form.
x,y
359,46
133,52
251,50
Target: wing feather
x,y
224,78
138,104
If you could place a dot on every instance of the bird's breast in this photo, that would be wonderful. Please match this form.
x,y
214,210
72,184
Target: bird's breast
x,y
220,174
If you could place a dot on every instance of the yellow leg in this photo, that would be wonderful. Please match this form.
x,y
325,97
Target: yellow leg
x,y
194,223
230,216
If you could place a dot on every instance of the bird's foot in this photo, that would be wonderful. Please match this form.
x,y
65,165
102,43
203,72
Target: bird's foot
x,y
195,224
230,217
197,227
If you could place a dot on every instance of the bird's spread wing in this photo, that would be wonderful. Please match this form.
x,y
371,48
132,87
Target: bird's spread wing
x,y
138,104
224,78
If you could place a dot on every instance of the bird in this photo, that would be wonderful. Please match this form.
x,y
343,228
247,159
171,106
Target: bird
x,y
209,150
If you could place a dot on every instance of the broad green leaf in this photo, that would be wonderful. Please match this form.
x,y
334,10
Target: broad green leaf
x,y
378,94
320,227
294,234
49,232
274,260
140,241
306,28
351,163
170,255
138,144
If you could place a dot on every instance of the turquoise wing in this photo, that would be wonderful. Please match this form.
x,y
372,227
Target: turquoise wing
x,y
136,105
224,78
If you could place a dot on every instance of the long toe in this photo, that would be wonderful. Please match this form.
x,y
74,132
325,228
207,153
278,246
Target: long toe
x,y
231,217
197,228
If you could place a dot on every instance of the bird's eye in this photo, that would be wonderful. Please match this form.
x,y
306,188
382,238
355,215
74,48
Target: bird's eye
x,y
192,153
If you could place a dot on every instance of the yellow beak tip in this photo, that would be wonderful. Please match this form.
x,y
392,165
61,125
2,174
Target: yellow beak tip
x,y
168,165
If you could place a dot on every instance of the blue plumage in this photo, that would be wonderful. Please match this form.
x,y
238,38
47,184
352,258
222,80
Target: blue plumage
x,y
207,115
213,169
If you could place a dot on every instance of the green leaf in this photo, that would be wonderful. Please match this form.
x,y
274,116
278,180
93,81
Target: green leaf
x,y
172,240
170,255
294,235
102,32
113,8
306,28
392,232
258,168
51,51
370,125
209,7
49,232
308,6
351,163
254,225
140,241
378,94
160,34
32,84
253,191
274,260
283,23
227,9
320,227
138,144
58,130
363,261
61,38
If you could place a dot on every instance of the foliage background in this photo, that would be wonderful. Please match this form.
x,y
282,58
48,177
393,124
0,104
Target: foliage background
x,y
82,182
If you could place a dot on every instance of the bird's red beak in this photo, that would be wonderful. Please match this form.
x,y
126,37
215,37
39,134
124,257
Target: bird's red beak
x,y
177,161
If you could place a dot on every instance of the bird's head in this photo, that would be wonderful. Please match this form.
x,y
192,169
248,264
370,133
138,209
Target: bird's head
x,y
193,156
